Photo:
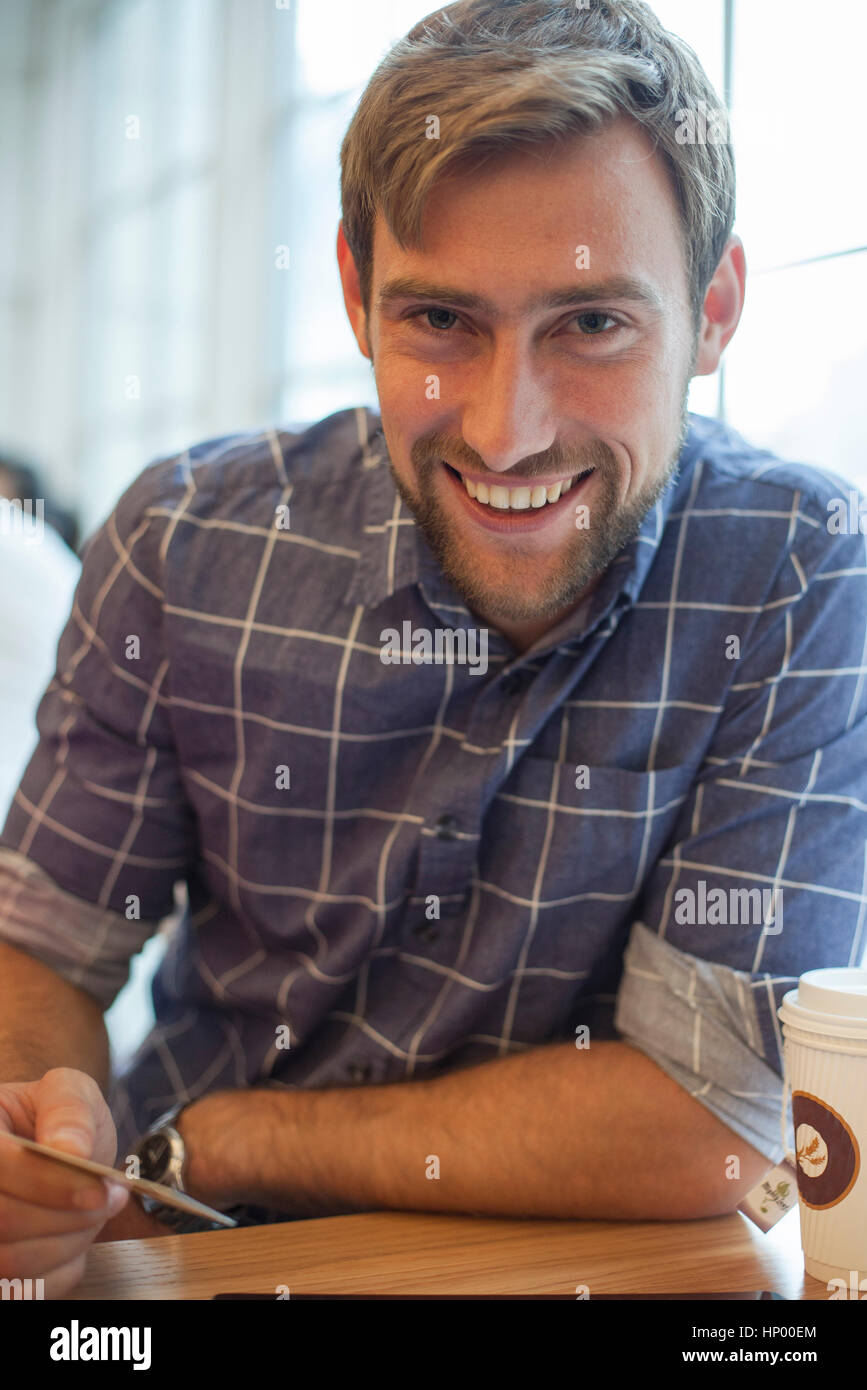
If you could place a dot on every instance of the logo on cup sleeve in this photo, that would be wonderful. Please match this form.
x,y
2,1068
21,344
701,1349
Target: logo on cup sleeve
x,y
827,1152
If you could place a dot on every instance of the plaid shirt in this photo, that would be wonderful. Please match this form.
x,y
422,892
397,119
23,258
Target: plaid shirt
x,y
398,869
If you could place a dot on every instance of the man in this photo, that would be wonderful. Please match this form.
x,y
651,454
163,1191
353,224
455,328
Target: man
x,y
488,799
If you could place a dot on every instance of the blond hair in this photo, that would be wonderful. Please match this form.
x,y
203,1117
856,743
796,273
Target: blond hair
x,y
504,74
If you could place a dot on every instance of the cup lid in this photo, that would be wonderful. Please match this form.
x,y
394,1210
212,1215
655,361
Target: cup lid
x,y
840,992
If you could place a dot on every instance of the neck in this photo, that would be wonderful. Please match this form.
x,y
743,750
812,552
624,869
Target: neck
x,y
525,634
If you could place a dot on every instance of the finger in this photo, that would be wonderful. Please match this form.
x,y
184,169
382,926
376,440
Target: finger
x,y
23,1220
66,1111
46,1182
17,1110
34,1259
61,1282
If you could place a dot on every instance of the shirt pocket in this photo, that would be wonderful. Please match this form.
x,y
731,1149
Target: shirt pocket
x,y
581,832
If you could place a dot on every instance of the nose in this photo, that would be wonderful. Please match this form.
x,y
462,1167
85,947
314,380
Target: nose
x,y
507,416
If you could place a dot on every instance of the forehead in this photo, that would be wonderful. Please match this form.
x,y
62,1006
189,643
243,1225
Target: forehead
x,y
511,225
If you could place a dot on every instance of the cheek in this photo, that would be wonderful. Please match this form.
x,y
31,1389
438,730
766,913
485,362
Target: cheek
x,y
614,401
406,395
646,390
415,404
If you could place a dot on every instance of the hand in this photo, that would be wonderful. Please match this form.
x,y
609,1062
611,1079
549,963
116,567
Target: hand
x,y
50,1214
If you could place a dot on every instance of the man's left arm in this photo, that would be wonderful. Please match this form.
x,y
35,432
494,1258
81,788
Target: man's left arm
x,y
505,1138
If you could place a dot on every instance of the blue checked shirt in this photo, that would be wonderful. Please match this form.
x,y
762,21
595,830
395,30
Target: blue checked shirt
x,y
393,870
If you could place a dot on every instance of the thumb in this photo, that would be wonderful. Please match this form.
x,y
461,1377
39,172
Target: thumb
x,y
65,1116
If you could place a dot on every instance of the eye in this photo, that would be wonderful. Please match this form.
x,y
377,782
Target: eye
x,y
593,321
429,312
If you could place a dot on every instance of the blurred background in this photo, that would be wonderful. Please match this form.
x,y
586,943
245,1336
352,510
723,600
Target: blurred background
x,y
169,174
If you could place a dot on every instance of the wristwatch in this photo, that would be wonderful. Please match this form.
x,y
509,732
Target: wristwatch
x,y
162,1158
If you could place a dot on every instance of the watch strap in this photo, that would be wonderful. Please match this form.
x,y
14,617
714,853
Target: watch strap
x,y
181,1222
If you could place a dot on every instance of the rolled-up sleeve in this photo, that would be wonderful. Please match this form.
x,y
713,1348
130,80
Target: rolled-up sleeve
x,y
777,813
699,1023
86,945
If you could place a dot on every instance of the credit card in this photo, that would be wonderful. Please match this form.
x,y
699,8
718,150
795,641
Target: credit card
x,y
168,1195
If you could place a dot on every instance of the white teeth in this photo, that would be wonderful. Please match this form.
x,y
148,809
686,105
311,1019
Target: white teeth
x,y
518,499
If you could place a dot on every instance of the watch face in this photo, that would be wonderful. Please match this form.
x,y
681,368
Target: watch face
x,y
155,1153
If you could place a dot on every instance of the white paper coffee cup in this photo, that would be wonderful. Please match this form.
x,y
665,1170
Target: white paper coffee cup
x,y
825,1047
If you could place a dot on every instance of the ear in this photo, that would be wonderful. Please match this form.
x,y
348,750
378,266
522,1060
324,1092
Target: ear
x,y
723,304
352,293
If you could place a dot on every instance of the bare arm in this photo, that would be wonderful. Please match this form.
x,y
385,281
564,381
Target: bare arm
x,y
54,1068
46,1022
552,1132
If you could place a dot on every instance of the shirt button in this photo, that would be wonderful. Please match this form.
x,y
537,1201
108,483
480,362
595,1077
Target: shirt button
x,y
426,931
357,1073
447,828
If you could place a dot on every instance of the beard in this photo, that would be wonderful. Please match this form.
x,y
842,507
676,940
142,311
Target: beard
x,y
582,561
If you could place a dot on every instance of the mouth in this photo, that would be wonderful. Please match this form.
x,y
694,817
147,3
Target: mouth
x,y
523,506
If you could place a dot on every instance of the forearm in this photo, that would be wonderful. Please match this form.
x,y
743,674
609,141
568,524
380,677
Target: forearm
x,y
46,1022
552,1132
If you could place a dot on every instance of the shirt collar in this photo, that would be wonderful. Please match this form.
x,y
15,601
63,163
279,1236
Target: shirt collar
x,y
395,554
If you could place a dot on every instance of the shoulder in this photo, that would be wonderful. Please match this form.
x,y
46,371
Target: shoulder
x,y
752,500
734,467
231,474
199,516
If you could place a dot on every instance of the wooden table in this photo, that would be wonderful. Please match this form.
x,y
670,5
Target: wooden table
x,y
404,1252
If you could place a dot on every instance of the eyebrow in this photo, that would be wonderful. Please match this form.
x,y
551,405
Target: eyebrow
x,y
618,287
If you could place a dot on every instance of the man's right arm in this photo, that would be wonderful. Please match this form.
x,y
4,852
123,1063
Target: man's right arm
x,y
54,1068
99,831
46,1022
54,1072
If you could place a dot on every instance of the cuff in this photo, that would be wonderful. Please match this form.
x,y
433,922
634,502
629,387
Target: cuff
x,y
698,1022
88,946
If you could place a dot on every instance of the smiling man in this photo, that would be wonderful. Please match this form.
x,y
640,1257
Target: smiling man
x,y
500,944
